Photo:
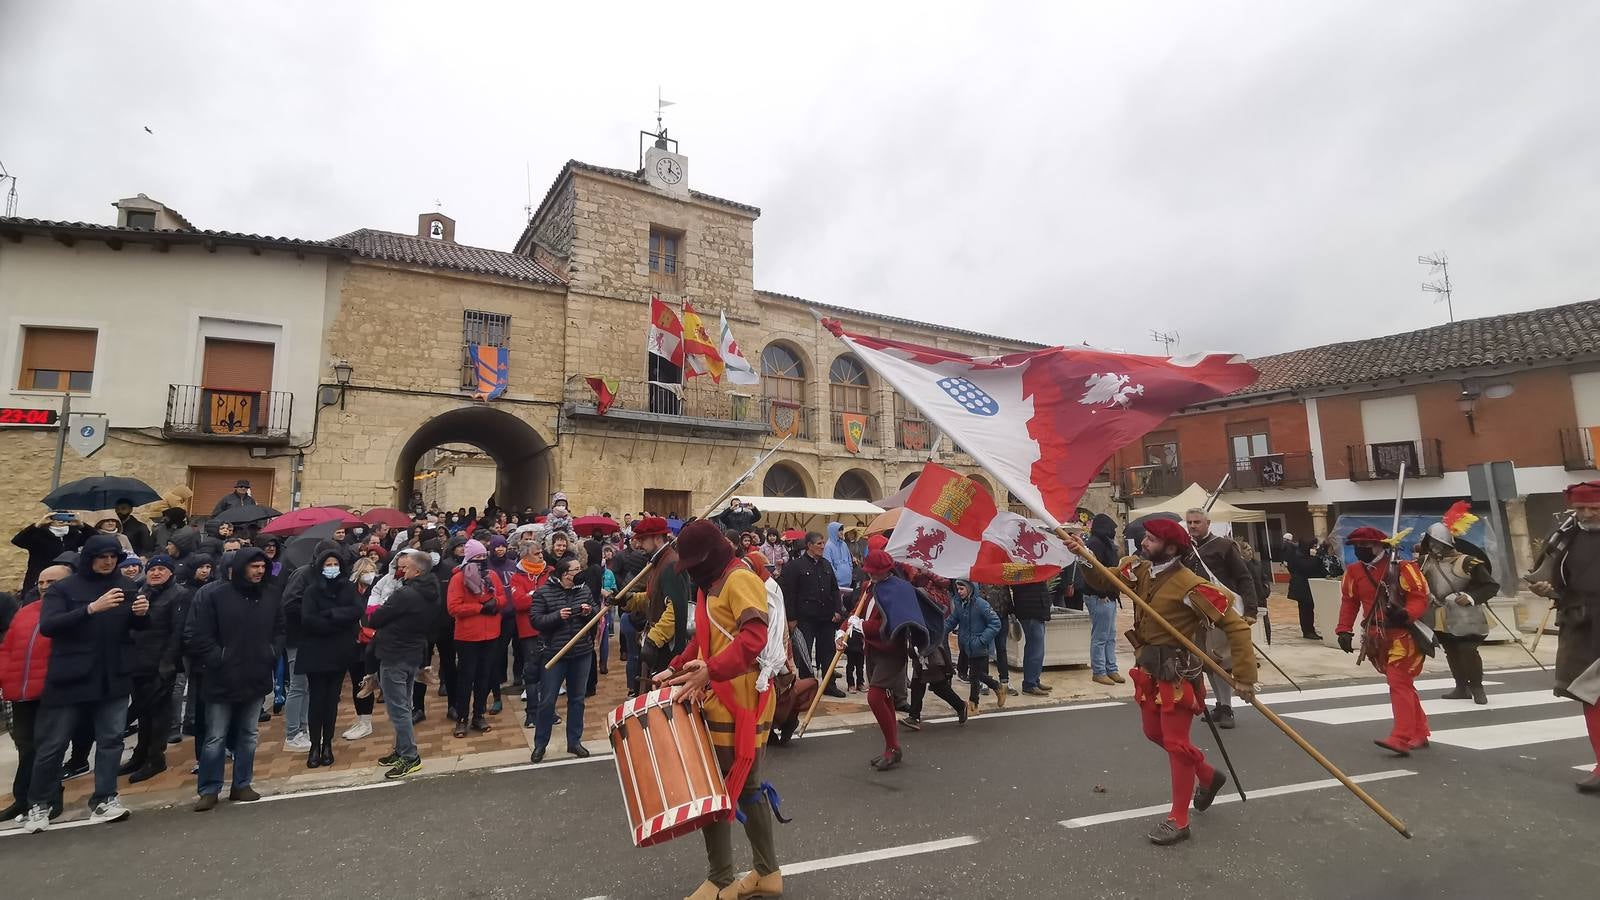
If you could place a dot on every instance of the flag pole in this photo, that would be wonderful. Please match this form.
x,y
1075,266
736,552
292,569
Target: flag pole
x,y
1206,660
712,507
822,683
1210,502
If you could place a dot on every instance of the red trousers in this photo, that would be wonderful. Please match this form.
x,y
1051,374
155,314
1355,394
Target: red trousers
x,y
1169,728
1400,670
1591,718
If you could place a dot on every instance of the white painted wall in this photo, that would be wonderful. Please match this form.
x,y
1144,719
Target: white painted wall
x,y
1586,397
153,312
1390,419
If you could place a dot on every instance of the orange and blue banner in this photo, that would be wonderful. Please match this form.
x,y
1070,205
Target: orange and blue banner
x,y
493,365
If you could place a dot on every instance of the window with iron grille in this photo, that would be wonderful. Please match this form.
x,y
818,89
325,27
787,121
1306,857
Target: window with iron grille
x,y
485,329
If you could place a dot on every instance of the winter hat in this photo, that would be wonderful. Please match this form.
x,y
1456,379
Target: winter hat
x,y
475,549
131,561
650,525
162,560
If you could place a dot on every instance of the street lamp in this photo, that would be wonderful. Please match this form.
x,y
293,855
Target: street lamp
x,y
342,370
1467,402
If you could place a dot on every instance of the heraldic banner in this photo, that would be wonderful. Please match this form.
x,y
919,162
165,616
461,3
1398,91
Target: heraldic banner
x,y
950,525
854,426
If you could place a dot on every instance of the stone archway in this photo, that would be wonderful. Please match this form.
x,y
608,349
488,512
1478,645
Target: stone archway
x,y
520,453
856,484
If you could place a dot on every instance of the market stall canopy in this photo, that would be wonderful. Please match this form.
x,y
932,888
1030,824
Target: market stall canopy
x,y
1194,496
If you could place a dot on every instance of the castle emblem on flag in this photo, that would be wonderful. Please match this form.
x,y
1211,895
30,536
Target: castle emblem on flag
x,y
1110,389
971,397
954,499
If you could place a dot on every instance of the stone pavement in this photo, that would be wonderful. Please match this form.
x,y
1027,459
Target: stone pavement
x,y
508,743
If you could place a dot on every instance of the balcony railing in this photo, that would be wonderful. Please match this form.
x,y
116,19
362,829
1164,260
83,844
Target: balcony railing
x,y
869,436
221,414
1381,461
1577,448
691,405
1152,481
1270,471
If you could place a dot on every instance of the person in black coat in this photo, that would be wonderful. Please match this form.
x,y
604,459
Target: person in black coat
x,y
560,609
234,634
405,626
329,612
155,669
811,600
1303,565
90,618
47,539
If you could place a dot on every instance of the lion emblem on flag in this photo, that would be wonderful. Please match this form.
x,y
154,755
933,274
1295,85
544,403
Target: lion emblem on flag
x,y
926,545
1110,390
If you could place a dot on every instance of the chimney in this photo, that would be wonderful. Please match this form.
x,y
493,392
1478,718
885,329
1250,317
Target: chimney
x,y
436,226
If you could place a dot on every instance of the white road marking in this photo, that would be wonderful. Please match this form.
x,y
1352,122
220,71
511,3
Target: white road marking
x,y
829,733
1143,811
296,795
1001,714
1382,711
54,826
1317,695
1586,767
554,763
1516,671
856,859
1511,734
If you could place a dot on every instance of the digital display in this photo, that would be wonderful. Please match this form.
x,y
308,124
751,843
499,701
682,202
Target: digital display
x,y
12,415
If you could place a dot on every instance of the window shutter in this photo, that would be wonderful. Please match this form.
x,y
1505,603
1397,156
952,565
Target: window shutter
x,y
63,349
237,365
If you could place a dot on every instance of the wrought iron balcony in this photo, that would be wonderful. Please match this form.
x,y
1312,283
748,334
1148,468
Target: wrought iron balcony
x,y
1381,461
221,414
722,407
1152,481
1577,448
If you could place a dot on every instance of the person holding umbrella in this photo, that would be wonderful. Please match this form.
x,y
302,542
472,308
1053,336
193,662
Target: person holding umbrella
x,y
240,496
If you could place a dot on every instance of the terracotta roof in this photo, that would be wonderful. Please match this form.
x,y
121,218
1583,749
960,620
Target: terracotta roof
x,y
92,231
387,245
913,323
1557,332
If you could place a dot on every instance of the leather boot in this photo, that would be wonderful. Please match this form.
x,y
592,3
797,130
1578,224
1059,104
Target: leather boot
x,y
753,885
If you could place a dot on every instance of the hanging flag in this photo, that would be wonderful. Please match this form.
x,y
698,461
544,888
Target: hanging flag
x,y
605,391
739,370
784,417
493,365
1045,422
951,526
854,426
700,354
666,333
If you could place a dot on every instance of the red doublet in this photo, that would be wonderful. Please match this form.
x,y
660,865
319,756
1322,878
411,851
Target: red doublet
x,y
1394,651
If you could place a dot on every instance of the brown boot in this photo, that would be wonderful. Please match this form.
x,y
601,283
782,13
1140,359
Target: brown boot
x,y
753,885
706,891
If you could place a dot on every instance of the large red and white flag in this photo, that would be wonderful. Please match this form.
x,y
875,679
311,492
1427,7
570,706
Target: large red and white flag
x,y
1046,421
665,338
951,526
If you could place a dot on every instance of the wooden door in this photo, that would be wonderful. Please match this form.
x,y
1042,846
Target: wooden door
x,y
209,485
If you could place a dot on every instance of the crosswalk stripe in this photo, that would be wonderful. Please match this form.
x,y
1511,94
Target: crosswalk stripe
x,y
1511,734
1141,812
1376,712
1031,711
1317,695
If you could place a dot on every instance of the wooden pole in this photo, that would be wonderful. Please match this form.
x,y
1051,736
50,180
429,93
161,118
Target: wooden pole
x,y
1543,621
1205,659
822,682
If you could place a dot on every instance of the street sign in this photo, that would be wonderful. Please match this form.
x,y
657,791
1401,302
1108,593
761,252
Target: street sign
x,y
87,433
17,415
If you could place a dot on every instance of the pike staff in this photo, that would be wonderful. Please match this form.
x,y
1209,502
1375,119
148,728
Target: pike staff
x,y
1266,623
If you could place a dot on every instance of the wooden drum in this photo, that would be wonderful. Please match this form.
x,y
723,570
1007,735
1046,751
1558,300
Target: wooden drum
x,y
671,784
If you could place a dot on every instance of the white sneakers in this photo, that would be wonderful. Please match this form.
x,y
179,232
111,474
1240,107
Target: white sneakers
x,y
300,742
37,819
362,728
110,810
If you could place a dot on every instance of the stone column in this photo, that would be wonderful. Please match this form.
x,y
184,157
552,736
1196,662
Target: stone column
x,y
1319,519
1520,540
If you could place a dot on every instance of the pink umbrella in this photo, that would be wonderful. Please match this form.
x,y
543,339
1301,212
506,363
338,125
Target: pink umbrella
x,y
301,519
386,515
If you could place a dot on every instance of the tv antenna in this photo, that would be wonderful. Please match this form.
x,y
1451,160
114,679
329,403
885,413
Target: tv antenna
x,y
11,192
1439,263
1166,338
527,169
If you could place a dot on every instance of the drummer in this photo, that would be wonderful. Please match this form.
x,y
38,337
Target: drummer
x,y
719,667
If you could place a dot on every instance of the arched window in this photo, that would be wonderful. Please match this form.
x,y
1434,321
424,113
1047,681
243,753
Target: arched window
x,y
848,392
910,479
853,485
911,430
783,386
782,481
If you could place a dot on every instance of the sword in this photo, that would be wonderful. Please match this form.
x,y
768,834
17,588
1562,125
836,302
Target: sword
x,y
1275,665
1205,711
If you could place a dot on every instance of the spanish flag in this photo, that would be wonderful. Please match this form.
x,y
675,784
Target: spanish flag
x,y
700,355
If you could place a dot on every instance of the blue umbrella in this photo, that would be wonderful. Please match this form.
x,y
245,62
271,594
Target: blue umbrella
x,y
100,492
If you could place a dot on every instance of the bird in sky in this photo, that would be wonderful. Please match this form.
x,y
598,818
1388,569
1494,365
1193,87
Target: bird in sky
x,y
147,130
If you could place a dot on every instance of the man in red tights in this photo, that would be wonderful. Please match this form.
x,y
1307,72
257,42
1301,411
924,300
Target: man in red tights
x,y
892,624
1166,679
1388,606
1569,574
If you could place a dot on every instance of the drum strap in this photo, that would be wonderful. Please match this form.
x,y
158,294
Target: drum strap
x,y
744,719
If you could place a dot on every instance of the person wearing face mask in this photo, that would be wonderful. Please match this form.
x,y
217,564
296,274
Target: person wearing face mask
x,y
560,609
560,516
475,599
53,534
154,670
328,613
1166,679
1387,640
1568,572
503,566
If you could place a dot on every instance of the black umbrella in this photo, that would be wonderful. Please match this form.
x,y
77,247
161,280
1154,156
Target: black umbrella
x,y
299,549
244,515
100,492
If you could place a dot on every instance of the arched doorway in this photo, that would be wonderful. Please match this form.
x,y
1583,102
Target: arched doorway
x,y
855,485
519,452
909,479
783,480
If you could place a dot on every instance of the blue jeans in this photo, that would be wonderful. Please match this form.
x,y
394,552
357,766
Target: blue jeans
x,y
397,680
53,731
294,701
1001,664
575,671
229,726
1102,633
1032,652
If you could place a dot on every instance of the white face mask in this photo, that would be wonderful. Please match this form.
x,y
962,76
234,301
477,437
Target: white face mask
x,y
434,557
330,571
368,578
59,530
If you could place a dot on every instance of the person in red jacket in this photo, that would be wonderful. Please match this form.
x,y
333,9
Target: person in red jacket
x,y
531,573
476,598
24,661
1387,640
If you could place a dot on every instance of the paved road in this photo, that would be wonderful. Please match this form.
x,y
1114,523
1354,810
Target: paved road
x,y
1494,814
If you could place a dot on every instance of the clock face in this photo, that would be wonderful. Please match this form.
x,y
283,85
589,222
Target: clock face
x,y
668,170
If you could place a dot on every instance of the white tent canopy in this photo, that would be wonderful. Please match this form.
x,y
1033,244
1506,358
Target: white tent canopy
x,y
1193,497
810,506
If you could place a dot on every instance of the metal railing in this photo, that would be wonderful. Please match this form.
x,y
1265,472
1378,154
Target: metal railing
x,y
869,435
1381,461
1577,448
1151,481
1267,472
711,403
222,414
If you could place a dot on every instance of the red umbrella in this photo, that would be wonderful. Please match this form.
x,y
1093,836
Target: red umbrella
x,y
794,534
588,526
386,515
301,519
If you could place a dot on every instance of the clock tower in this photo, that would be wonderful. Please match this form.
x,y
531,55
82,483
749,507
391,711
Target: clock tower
x,y
665,169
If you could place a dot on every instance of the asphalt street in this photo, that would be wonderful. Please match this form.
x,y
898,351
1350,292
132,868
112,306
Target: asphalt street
x,y
1004,807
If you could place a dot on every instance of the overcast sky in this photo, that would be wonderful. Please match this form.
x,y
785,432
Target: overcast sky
x,y
1256,177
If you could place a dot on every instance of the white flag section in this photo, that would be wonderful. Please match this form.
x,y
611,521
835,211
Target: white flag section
x,y
1027,540
738,369
929,544
1013,549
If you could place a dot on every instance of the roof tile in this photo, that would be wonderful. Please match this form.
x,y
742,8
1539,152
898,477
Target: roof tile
x,y
387,245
